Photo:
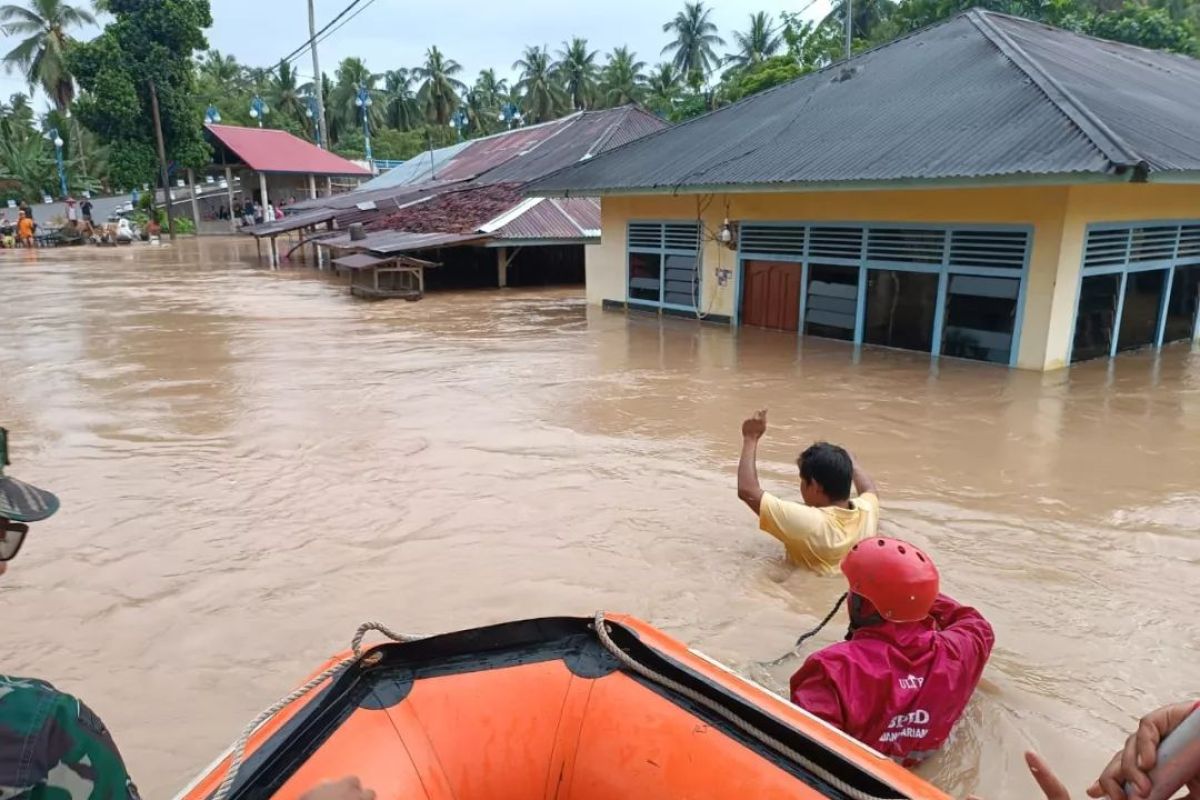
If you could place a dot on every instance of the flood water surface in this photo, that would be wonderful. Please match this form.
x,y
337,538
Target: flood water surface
x,y
251,463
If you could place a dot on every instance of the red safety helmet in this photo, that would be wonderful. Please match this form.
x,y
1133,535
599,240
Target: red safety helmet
x,y
896,577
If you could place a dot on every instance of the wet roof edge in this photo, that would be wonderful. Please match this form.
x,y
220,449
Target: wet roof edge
x,y
905,184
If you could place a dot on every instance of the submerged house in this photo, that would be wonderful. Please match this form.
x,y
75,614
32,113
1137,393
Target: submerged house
x,y
465,206
988,188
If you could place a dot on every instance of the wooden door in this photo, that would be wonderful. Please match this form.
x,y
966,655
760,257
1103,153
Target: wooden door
x,y
771,295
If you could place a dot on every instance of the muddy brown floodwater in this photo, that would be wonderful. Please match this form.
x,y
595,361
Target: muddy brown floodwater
x,y
251,463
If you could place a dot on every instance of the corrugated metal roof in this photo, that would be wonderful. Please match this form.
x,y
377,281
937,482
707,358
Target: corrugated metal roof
x,y
389,242
269,150
977,96
574,219
359,261
418,169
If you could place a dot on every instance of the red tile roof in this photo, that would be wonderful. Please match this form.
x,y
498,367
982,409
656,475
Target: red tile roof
x,y
461,211
267,150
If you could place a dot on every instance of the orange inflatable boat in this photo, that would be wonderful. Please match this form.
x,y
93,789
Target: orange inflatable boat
x,y
548,709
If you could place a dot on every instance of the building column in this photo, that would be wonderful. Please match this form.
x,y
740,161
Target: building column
x,y
233,222
262,188
502,267
195,202
312,186
329,186
1046,323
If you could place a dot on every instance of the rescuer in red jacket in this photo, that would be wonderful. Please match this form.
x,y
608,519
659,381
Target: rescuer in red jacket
x,y
910,663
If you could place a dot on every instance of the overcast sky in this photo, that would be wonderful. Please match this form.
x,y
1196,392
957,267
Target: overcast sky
x,y
477,33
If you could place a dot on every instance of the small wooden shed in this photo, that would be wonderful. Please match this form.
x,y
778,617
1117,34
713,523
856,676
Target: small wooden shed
x,y
384,277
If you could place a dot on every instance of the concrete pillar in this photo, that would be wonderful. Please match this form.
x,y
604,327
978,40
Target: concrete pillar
x,y
502,267
229,198
312,186
328,186
195,202
262,188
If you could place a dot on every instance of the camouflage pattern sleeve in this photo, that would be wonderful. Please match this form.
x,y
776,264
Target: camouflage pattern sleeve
x,y
53,747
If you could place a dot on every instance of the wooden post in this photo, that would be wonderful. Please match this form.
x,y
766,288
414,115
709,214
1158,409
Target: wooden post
x,y
312,186
502,267
162,159
195,201
229,193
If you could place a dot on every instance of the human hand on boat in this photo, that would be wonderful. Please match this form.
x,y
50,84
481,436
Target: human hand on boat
x,y
348,788
755,426
1134,761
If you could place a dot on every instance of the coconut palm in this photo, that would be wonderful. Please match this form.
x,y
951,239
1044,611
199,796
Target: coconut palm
x,y
695,37
662,88
866,15
622,80
576,68
41,53
221,70
491,91
540,96
758,43
440,90
399,99
285,95
352,74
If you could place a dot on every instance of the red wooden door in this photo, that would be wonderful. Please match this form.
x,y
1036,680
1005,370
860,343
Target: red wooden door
x,y
771,295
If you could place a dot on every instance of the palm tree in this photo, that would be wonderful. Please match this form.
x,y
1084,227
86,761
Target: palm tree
x,y
576,68
286,98
222,70
662,88
439,92
866,15
41,54
692,48
757,44
540,96
622,80
491,91
399,100
352,74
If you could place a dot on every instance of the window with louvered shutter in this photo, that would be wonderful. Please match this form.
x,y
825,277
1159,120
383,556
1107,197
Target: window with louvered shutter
x,y
662,264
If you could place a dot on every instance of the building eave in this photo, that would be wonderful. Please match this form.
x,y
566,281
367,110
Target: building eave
x,y
906,184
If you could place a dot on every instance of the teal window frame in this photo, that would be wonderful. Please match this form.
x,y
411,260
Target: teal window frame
x,y
662,251
944,267
1125,265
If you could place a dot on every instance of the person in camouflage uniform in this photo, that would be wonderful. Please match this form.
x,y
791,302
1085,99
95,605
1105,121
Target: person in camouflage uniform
x,y
52,746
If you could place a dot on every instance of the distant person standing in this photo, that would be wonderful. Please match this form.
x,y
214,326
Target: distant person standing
x,y
86,208
24,229
72,213
820,531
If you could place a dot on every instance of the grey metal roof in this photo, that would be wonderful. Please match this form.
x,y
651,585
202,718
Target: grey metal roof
x,y
982,95
390,242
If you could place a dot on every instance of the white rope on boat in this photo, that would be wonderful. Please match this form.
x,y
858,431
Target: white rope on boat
x,y
237,754
742,725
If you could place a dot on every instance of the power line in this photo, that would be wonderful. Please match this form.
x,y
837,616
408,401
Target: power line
x,y
339,27
315,37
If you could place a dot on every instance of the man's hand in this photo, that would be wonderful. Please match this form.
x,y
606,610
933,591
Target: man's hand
x,y
349,788
1132,763
755,426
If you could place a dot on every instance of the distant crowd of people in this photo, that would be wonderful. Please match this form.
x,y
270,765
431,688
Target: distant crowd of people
x,y
253,213
23,231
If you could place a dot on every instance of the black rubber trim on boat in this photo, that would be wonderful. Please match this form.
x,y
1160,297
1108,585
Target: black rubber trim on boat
x,y
509,644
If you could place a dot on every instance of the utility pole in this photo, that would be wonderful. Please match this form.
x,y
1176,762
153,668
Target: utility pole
x,y
318,81
849,24
162,159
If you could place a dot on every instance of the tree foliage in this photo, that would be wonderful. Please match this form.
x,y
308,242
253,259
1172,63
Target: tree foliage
x,y
147,41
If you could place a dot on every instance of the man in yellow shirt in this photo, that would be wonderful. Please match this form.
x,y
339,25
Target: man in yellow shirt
x,y
819,532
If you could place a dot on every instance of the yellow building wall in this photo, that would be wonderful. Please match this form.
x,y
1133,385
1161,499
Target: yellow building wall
x,y
1057,214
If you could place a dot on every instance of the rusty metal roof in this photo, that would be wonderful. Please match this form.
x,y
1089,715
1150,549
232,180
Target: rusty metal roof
x,y
981,95
389,242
